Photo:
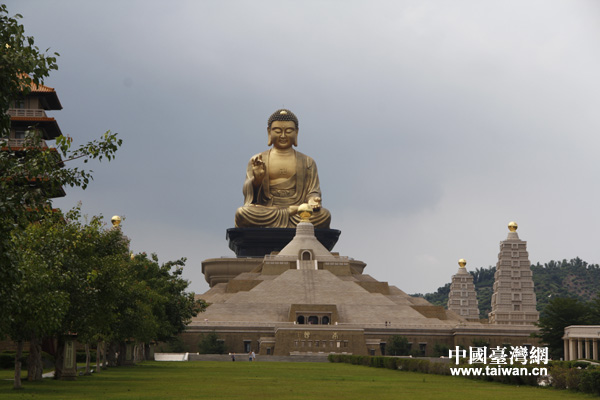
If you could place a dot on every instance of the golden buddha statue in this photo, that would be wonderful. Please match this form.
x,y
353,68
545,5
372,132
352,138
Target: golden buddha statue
x,y
279,180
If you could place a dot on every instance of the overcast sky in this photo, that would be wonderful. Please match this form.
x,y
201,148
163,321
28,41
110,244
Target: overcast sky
x,y
433,123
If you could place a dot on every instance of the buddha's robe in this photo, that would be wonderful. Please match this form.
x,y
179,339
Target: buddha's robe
x,y
267,205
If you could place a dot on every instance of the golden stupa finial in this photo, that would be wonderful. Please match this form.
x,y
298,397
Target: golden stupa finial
x,y
462,262
305,212
512,226
116,220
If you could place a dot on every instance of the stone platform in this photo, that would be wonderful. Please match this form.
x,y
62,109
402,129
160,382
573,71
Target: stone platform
x,y
258,242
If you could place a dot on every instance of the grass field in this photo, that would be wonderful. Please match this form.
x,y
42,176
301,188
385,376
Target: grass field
x,y
269,380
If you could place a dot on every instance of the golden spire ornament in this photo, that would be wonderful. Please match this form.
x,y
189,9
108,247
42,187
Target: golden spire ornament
x,y
305,212
116,221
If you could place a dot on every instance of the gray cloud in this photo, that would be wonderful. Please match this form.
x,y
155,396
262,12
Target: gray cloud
x,y
433,123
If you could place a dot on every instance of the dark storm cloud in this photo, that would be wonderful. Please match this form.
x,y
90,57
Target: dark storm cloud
x,y
433,123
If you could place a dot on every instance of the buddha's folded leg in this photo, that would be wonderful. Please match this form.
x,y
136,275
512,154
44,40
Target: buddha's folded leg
x,y
253,216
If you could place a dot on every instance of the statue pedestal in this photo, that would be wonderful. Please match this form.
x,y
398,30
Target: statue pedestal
x,y
258,242
69,372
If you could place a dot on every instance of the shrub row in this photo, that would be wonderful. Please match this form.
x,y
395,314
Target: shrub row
x,y
578,376
520,379
7,359
80,356
404,364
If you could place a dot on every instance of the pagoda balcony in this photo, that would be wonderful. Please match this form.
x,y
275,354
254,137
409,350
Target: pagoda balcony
x,y
19,143
27,112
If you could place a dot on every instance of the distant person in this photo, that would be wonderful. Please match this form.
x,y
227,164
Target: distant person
x,y
253,356
250,355
232,356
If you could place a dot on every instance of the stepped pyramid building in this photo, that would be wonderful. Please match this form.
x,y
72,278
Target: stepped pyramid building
x,y
307,301
513,301
462,298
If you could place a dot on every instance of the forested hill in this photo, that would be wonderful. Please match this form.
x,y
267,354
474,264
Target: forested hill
x,y
574,278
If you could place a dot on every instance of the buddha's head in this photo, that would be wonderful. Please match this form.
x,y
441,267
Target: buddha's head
x,y
283,129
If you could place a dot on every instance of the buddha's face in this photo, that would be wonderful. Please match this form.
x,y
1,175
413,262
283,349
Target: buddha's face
x,y
283,134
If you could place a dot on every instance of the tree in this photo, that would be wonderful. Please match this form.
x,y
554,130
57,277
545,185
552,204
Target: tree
x,y
398,346
21,202
210,344
95,251
558,314
441,350
37,306
153,305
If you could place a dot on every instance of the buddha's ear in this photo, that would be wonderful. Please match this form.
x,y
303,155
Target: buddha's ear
x,y
295,142
270,142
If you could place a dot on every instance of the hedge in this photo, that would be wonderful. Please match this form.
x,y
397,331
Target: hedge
x,y
404,364
577,376
7,359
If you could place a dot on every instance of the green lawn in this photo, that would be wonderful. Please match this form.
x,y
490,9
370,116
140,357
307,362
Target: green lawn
x,y
270,380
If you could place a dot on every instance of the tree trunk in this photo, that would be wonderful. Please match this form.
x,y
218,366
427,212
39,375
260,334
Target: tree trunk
x,y
146,351
17,384
58,360
104,360
111,355
87,359
122,352
98,356
34,362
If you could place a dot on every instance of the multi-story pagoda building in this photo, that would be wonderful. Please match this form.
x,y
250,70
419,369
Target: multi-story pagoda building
x,y
28,118
462,298
513,301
